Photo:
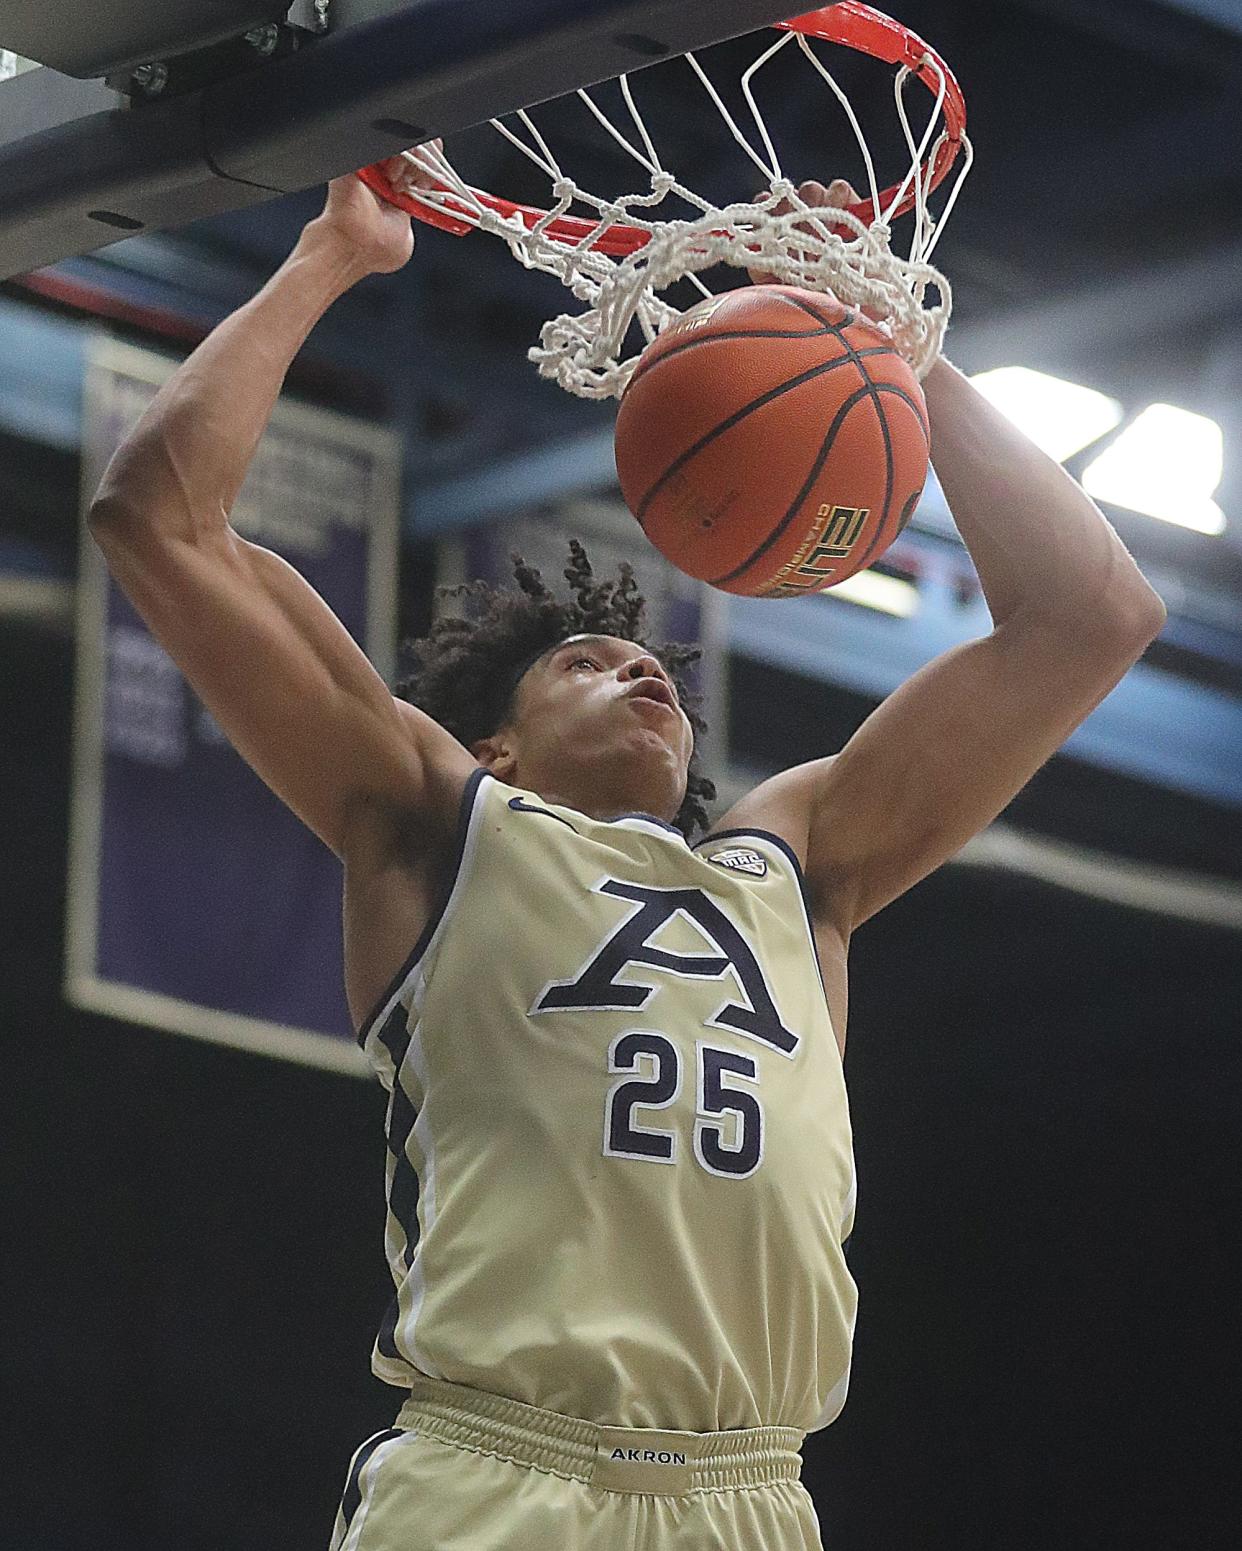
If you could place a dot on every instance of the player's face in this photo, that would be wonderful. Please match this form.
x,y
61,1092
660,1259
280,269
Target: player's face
x,y
601,710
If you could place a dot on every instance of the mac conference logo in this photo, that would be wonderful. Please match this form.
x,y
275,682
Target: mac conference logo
x,y
741,859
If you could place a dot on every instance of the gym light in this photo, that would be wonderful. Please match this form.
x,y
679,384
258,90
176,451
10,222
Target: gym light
x,y
1060,417
874,590
1167,464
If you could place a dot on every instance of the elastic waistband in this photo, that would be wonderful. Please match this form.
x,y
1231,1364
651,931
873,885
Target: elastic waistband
x,y
617,1459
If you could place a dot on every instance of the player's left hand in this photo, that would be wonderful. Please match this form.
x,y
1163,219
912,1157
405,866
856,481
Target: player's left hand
x,y
835,195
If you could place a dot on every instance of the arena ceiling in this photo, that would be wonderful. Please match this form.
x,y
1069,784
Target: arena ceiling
x,y
1099,238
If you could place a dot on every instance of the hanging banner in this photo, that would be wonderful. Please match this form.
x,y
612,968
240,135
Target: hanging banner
x,y
197,902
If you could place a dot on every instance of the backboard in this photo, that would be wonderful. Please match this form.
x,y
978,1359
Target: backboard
x,y
285,106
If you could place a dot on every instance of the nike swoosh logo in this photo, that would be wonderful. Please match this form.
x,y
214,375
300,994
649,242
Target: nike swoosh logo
x,y
520,806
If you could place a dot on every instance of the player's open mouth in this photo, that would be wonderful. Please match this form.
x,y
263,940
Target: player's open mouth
x,y
655,690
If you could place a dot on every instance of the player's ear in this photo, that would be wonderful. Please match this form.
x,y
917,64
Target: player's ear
x,y
497,754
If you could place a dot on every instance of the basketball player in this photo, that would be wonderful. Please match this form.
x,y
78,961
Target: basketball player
x,y
619,1171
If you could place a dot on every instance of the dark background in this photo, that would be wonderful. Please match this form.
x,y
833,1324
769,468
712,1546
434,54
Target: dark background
x,y
1046,1089
1045,1092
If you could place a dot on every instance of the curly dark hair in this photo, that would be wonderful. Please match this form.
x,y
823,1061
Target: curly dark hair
x,y
466,670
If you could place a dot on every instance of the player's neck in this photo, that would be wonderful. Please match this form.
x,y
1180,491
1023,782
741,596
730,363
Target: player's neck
x,y
607,794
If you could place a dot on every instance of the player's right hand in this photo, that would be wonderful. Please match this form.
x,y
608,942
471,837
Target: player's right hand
x,y
380,237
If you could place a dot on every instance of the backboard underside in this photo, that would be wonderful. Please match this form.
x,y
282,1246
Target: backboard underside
x,y
82,165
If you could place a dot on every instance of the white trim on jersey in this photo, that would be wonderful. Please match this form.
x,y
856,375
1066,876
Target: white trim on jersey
x,y
835,1402
403,1335
369,1475
851,1200
411,993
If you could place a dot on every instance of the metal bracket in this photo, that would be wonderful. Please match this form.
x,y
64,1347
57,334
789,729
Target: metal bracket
x,y
313,16
190,72
386,74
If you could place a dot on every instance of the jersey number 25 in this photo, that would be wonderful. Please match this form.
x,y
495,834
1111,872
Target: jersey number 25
x,y
728,1126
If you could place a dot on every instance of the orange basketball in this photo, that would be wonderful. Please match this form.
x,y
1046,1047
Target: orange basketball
x,y
772,442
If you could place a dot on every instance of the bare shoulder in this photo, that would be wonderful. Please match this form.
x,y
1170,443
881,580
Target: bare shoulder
x,y
383,829
447,767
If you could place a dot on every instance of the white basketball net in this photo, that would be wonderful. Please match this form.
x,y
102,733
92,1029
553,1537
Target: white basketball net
x,y
777,234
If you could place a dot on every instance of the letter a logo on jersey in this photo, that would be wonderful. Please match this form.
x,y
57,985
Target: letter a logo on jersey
x,y
631,944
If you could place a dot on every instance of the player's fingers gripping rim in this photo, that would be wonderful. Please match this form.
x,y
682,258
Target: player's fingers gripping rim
x,y
835,195
416,166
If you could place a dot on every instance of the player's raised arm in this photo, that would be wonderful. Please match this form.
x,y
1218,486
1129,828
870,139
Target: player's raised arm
x,y
292,690
940,758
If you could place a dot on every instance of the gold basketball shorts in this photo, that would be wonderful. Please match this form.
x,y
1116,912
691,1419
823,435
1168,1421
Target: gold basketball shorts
x,y
467,1471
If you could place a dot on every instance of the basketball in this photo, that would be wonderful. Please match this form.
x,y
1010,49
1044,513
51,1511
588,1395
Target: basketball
x,y
772,442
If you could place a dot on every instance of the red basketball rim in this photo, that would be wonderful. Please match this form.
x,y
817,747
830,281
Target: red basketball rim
x,y
849,22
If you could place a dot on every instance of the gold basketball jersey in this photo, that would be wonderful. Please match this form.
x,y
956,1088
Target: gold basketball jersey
x,y
620,1170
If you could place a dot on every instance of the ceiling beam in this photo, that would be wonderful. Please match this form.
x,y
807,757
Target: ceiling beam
x,y
1111,310
412,70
